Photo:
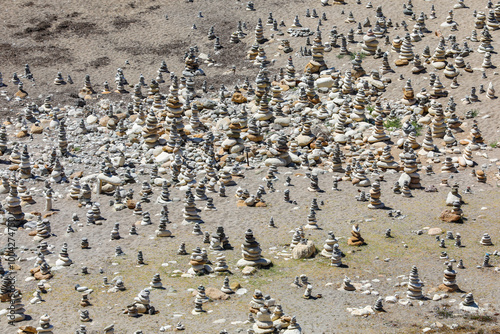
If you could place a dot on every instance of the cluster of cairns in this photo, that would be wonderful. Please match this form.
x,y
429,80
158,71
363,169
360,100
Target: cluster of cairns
x,y
178,144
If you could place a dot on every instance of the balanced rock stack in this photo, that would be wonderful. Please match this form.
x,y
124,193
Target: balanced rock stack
x,y
251,253
414,285
375,202
370,43
356,239
317,64
449,280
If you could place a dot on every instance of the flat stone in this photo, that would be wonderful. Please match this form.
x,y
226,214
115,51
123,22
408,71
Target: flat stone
x,y
219,321
363,311
434,231
216,294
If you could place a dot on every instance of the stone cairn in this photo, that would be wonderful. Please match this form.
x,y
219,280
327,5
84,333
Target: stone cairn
x,y
356,239
414,285
251,253
449,281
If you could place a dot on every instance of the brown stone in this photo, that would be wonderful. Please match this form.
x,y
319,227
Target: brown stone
x,y
255,138
131,204
21,94
314,68
240,203
216,294
48,214
401,62
355,239
4,298
235,286
238,98
32,233
248,270
284,87
13,167
21,134
28,330
451,288
450,217
36,130
76,174
261,205
352,242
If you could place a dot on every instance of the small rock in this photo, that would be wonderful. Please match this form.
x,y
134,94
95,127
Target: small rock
x,y
391,299
248,270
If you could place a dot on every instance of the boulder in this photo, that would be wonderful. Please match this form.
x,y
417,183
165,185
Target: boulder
x,y
301,251
324,82
450,217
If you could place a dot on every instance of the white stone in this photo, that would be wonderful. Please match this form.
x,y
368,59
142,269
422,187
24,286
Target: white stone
x,y
219,321
324,82
391,299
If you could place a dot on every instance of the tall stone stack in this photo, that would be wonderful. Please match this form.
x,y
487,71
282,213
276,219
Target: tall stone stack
x,y
16,214
25,165
150,131
378,132
370,43
174,109
406,53
410,170
317,64
233,143
375,202
259,33
190,211
449,280
278,153
414,285
251,253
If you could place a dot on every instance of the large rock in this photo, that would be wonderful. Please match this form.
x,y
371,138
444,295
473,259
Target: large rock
x,y
216,294
301,251
450,217
434,231
324,82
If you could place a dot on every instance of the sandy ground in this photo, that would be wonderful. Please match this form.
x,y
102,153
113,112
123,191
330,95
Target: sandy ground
x,y
96,38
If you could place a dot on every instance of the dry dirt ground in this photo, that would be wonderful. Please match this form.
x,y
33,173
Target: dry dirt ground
x,y
97,37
